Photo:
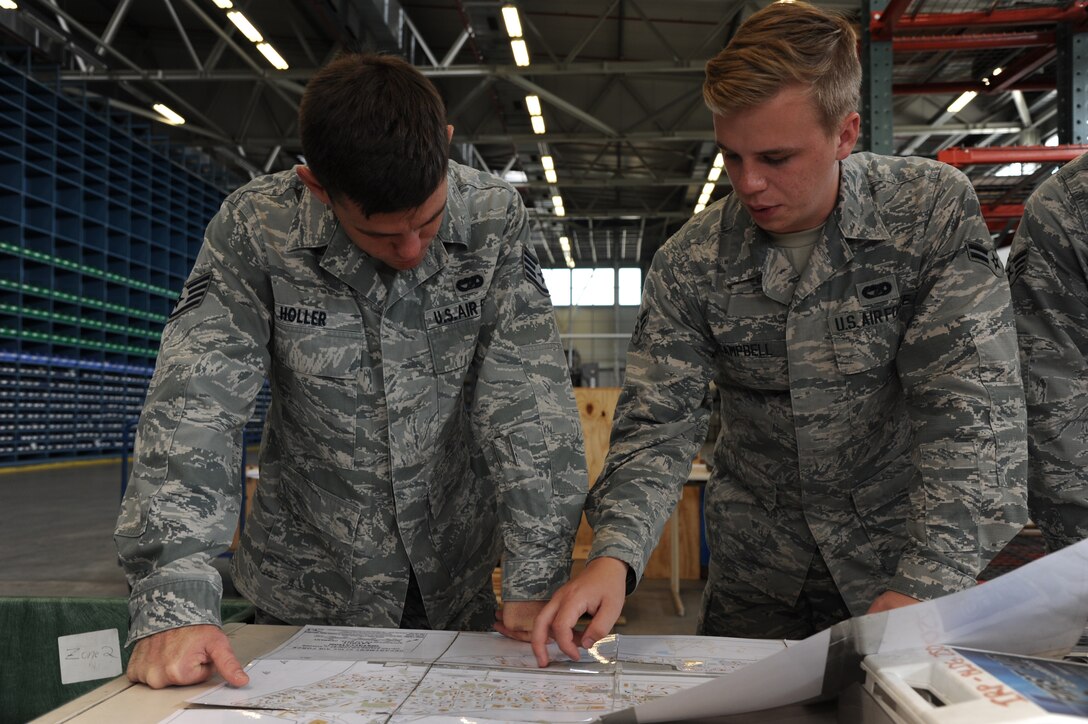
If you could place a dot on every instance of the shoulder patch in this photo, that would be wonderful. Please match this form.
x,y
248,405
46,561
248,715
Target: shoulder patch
x,y
192,295
533,273
1018,264
984,255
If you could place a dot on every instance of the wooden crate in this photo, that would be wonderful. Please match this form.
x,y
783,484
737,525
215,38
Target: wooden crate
x,y
596,408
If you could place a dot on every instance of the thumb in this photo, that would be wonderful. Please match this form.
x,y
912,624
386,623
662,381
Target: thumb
x,y
227,664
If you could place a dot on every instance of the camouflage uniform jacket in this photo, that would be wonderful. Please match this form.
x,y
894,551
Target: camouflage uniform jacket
x,y
1048,270
429,425
871,406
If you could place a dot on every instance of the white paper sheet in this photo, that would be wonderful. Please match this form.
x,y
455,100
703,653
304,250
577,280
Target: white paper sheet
x,y
248,716
334,686
1037,609
793,674
493,650
696,654
350,643
511,695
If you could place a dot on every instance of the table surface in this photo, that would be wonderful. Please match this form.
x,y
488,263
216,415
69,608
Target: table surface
x,y
120,700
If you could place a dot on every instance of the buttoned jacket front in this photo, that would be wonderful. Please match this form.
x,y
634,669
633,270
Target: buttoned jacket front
x,y
870,406
424,420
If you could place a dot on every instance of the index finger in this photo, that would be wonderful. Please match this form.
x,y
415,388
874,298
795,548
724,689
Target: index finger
x,y
563,623
226,663
541,632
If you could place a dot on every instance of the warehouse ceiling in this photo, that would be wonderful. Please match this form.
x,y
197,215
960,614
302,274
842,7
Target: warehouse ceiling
x,y
618,82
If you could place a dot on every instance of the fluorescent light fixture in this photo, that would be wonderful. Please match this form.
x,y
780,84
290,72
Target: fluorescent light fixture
x,y
242,23
997,71
557,200
570,263
960,103
708,188
560,211
532,104
719,161
549,173
564,243
1052,141
8,5
273,57
521,52
699,207
704,199
715,172
546,161
168,115
515,176
223,4
538,124
512,20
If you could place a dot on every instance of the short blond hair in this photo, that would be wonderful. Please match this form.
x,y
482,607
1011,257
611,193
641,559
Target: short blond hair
x,y
787,43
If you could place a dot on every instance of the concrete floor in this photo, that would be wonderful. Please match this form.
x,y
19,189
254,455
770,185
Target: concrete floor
x,y
56,528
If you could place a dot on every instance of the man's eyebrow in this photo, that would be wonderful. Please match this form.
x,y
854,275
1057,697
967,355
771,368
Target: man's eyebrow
x,y
382,233
764,152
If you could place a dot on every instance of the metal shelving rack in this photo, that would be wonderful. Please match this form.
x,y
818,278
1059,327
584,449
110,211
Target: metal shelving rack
x,y
98,230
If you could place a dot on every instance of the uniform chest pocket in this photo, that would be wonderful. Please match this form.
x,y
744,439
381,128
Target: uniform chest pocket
x,y
759,364
315,379
860,348
452,349
750,330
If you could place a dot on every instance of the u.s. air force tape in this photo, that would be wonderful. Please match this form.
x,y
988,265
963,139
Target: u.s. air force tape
x,y
192,295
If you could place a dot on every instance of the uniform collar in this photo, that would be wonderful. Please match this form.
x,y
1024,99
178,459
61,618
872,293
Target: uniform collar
x,y
454,228
744,247
856,213
344,260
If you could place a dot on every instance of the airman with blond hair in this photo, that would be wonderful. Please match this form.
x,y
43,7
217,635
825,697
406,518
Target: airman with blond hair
x,y
855,318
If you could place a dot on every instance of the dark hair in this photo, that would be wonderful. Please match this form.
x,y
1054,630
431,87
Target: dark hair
x,y
788,43
373,129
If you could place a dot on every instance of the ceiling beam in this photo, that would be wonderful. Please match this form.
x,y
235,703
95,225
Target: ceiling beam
x,y
301,75
561,103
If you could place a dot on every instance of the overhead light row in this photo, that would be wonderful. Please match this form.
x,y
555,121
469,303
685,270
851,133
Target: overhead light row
x,y
252,34
711,181
512,21
536,117
564,244
8,5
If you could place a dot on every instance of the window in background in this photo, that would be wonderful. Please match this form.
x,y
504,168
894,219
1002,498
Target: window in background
x,y
594,287
558,281
630,286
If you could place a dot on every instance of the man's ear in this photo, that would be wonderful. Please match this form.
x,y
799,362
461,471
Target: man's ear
x,y
848,135
307,177
449,133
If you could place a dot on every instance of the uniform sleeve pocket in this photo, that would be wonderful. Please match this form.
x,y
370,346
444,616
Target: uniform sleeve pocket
x,y
162,413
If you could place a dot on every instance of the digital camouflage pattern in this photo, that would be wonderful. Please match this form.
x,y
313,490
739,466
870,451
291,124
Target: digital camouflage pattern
x,y
429,425
1048,271
871,407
